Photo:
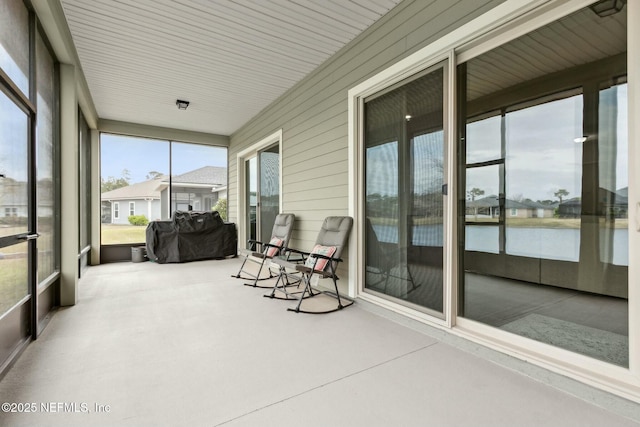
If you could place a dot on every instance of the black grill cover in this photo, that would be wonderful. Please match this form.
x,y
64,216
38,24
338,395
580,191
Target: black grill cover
x,y
191,236
196,222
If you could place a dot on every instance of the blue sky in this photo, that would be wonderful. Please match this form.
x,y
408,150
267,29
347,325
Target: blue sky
x,y
142,155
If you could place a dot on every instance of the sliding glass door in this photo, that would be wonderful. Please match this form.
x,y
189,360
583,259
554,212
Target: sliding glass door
x,y
544,183
404,191
262,193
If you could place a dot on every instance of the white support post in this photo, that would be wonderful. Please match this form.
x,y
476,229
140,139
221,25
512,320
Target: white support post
x,y
69,186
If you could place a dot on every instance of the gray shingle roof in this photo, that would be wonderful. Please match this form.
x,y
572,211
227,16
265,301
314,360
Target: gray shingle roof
x,y
142,190
207,175
213,175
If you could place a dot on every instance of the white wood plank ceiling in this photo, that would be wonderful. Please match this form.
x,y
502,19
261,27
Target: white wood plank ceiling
x,y
228,58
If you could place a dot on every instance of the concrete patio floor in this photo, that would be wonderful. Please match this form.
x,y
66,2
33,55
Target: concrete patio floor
x,y
187,345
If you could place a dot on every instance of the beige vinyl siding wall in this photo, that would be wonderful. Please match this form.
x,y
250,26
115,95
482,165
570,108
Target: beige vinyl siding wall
x,y
313,114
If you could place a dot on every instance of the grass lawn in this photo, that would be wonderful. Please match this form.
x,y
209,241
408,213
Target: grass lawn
x,y
13,281
113,234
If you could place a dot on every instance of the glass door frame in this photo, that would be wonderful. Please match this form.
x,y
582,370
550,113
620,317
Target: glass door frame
x,y
415,122
242,159
21,320
357,95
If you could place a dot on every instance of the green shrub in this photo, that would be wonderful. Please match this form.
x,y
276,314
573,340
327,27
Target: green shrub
x,y
138,220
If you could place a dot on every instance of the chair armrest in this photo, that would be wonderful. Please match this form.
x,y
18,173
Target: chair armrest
x,y
254,243
297,251
265,248
304,269
286,253
330,258
271,245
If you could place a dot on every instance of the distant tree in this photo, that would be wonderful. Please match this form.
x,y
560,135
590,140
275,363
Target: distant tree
x,y
221,207
561,193
112,183
517,197
154,175
474,192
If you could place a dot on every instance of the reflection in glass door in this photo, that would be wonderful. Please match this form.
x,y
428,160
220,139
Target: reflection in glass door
x,y
14,197
545,184
251,201
269,190
16,218
262,195
404,200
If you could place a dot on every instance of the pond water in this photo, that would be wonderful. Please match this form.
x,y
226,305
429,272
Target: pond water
x,y
548,243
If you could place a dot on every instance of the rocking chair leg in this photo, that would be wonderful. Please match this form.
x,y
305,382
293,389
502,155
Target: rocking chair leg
x,y
340,306
307,288
275,287
237,276
255,282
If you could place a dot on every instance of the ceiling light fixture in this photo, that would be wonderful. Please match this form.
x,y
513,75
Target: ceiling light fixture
x,y
182,105
607,7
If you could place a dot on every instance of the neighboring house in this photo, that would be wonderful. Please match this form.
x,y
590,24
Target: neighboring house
x,y
13,198
489,207
528,209
571,208
142,198
197,190
619,206
610,204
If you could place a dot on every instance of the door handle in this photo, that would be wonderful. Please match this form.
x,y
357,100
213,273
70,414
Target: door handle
x,y
27,236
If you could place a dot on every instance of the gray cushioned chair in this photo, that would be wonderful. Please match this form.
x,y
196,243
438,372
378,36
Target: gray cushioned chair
x,y
321,262
262,253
